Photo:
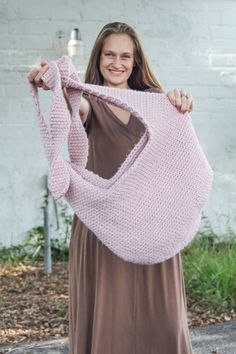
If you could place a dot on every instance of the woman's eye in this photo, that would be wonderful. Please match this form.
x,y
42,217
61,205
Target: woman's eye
x,y
126,56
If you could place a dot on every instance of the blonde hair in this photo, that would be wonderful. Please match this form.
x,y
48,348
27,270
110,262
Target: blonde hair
x,y
141,78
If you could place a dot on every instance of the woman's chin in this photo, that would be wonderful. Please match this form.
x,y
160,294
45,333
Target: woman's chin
x,y
116,83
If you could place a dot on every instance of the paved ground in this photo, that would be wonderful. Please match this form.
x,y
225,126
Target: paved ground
x,y
218,339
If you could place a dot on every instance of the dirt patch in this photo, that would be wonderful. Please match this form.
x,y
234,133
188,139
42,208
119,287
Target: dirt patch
x,y
34,306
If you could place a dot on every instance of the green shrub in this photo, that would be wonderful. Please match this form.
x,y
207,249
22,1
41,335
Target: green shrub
x,y
209,266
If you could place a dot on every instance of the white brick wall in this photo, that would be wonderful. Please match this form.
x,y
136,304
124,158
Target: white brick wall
x,y
190,44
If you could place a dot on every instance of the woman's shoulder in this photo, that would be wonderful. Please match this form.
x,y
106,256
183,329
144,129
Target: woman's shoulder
x,y
90,98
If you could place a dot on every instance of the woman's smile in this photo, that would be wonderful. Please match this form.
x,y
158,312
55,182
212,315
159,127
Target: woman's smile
x,y
116,72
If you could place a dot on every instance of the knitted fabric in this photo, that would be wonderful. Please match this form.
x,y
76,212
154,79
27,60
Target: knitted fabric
x,y
151,208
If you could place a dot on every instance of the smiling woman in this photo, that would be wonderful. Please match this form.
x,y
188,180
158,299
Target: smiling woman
x,y
118,306
127,307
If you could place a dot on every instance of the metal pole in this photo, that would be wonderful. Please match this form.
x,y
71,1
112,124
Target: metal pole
x,y
46,231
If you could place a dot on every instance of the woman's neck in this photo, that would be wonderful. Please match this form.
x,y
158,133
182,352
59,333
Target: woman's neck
x,y
123,86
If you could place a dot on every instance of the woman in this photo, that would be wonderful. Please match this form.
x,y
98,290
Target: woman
x,y
118,307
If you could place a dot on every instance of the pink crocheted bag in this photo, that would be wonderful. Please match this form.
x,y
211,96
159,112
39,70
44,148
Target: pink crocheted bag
x,y
151,208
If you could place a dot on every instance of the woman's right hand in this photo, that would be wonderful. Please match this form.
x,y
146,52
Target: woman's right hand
x,y
35,75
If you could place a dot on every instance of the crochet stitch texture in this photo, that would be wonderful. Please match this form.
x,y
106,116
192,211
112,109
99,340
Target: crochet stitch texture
x,y
151,208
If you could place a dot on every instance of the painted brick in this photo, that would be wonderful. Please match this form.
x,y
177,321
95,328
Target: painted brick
x,y
228,78
3,26
2,91
31,42
208,77
222,32
38,27
223,60
9,76
66,12
221,91
27,9
3,10
200,31
221,6
217,105
16,91
226,45
182,76
9,42
13,119
228,16
95,11
13,10
209,17
198,91
3,58
24,58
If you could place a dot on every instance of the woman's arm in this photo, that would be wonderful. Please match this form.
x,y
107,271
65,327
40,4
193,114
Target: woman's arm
x,y
181,100
83,108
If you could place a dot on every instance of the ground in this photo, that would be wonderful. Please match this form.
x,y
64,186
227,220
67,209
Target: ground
x,y
34,306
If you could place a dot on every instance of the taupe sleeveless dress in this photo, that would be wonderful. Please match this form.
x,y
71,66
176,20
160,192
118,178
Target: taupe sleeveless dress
x,y
118,307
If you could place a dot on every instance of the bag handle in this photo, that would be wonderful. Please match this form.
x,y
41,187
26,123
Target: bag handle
x,y
58,131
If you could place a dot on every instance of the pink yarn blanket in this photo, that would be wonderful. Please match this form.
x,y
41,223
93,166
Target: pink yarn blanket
x,y
151,208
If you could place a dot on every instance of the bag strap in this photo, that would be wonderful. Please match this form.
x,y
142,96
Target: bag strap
x,y
64,127
61,128
44,131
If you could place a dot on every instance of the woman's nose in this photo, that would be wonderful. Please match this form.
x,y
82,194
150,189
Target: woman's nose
x,y
116,60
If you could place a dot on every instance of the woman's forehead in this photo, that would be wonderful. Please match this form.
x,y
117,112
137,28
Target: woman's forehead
x,y
118,42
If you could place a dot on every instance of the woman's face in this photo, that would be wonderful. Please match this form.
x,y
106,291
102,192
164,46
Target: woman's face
x,y
117,60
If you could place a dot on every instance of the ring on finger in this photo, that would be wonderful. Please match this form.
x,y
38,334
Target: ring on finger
x,y
184,94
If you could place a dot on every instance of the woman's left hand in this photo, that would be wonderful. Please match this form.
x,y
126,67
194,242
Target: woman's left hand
x,y
182,100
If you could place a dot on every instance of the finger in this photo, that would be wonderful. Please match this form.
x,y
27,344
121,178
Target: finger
x,y
186,100
44,87
171,96
189,100
183,92
177,98
43,63
183,107
43,69
38,80
32,74
191,106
